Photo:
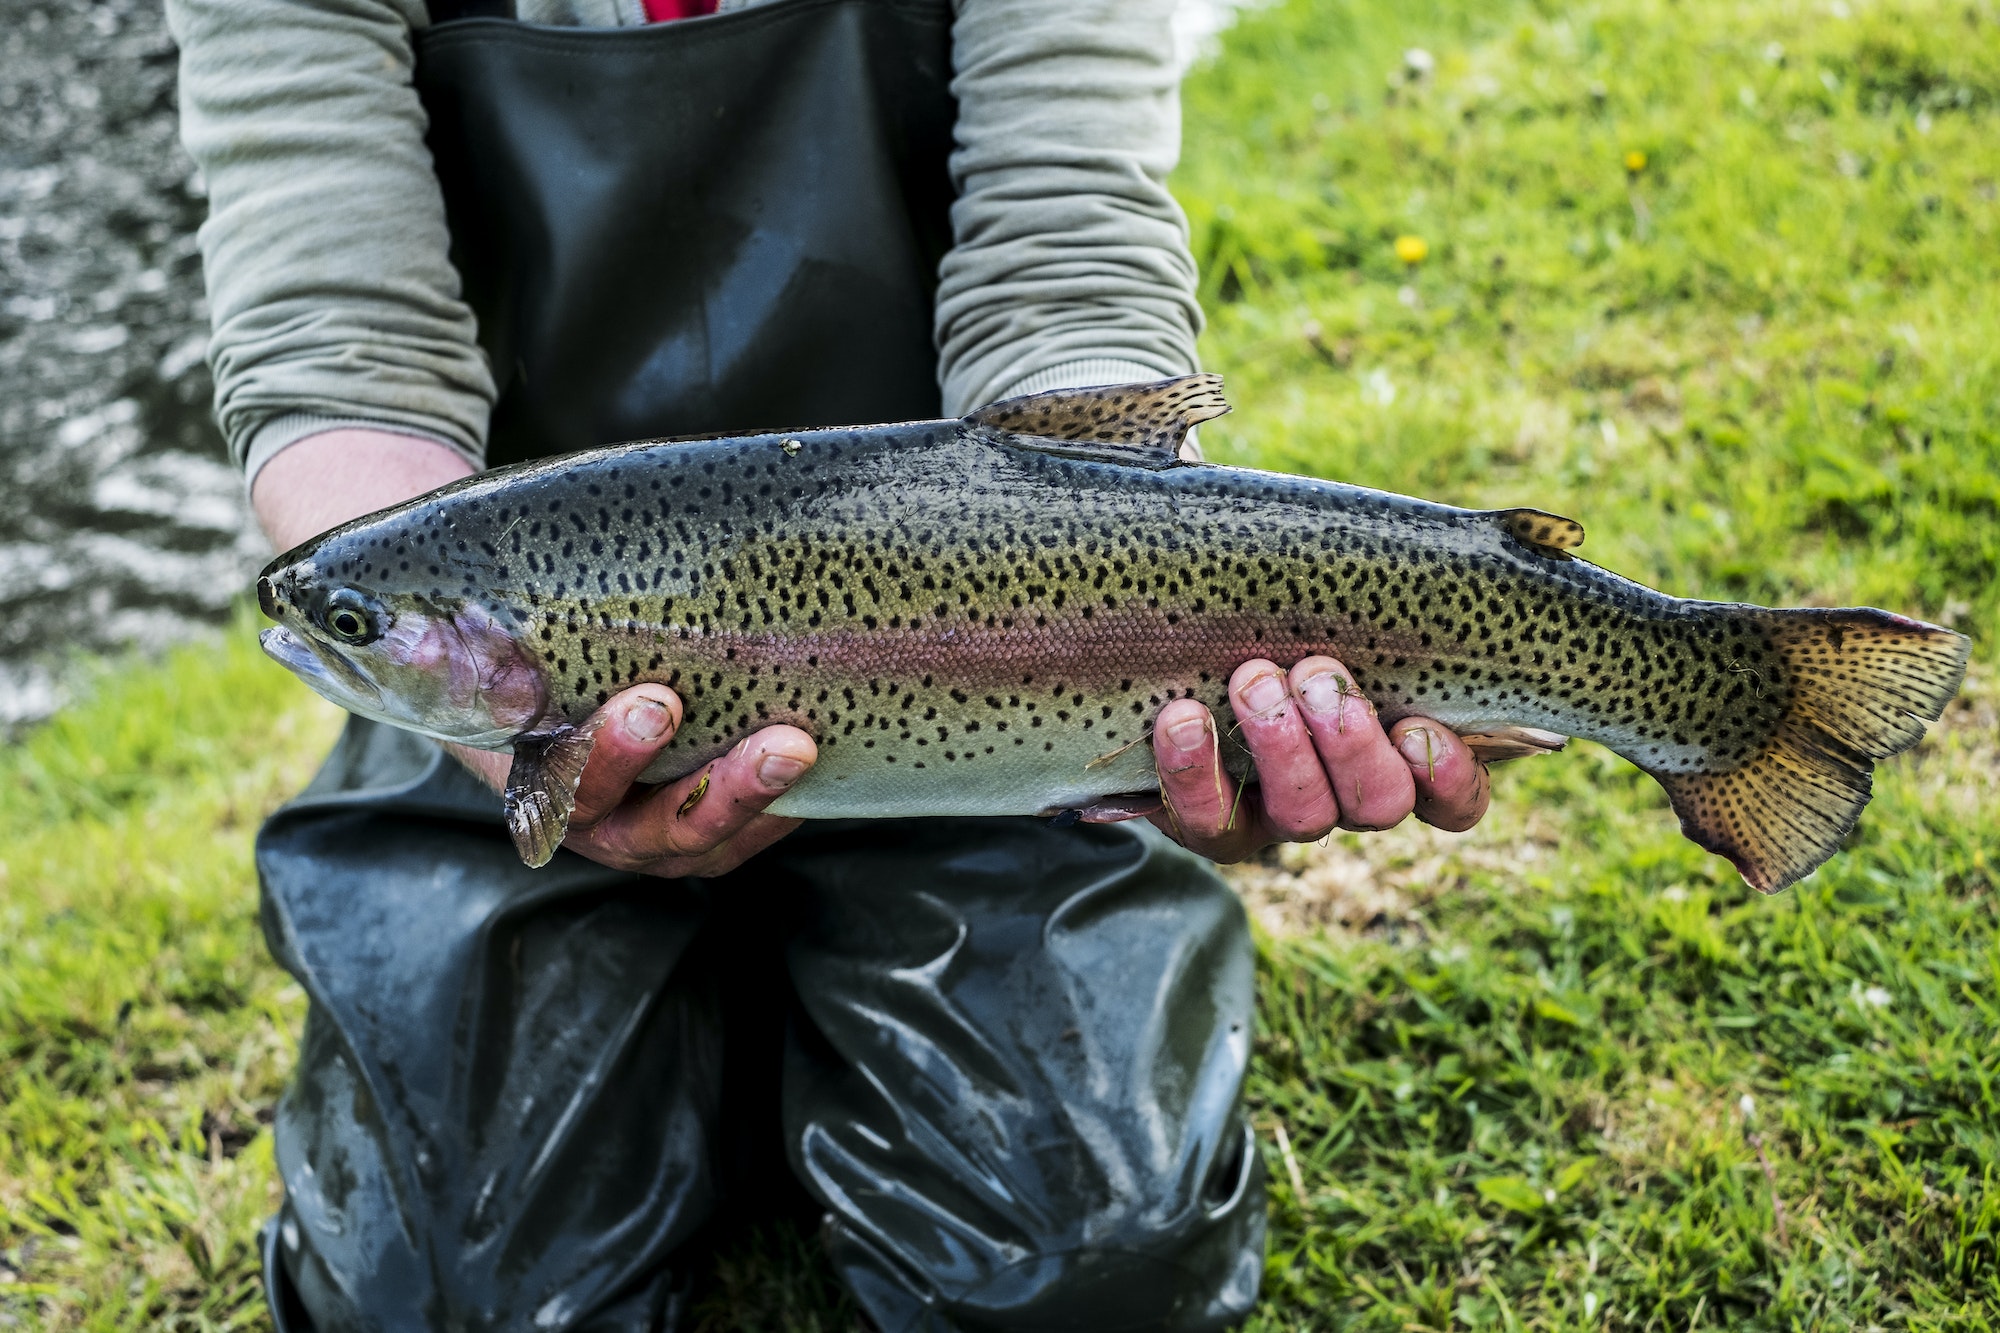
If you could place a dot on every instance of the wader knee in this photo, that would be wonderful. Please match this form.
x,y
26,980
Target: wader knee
x,y
1199,1271
1016,1085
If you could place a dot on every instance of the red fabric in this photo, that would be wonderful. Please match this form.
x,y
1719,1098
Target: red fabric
x,y
666,11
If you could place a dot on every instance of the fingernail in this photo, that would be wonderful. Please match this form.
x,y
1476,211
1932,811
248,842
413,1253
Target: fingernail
x,y
1420,747
1188,734
779,770
646,721
1323,693
1264,693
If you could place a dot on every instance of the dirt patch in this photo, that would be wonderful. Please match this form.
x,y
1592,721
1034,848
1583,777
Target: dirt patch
x,y
1379,883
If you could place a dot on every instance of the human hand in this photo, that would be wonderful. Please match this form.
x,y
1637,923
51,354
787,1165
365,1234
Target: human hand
x,y
1323,762
707,823
328,478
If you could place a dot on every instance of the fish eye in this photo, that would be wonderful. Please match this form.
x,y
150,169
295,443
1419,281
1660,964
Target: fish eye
x,y
352,617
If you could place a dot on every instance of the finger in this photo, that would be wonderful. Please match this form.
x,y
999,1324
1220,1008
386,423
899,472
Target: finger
x,y
1298,804
637,723
1370,779
1452,786
697,814
760,832
1205,811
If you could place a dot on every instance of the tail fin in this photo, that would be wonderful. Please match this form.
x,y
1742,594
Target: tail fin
x,y
1863,683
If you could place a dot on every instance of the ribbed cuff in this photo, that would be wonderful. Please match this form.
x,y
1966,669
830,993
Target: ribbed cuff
x,y
1093,371
1088,373
281,433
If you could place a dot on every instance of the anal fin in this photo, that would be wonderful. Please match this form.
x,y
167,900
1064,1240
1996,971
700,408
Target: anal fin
x,y
1134,423
1499,744
541,788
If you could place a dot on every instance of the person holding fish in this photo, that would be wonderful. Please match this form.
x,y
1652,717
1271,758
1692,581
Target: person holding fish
x,y
998,1058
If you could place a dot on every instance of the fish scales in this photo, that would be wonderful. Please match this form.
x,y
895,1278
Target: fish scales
x,y
985,616
1024,598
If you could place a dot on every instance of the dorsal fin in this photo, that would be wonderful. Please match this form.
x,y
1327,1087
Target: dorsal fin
x,y
1151,417
1552,533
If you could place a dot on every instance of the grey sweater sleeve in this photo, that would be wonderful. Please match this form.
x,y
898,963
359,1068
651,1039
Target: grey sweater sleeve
x,y
334,301
1070,262
332,296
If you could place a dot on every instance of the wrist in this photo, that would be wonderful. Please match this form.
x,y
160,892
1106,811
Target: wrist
x,y
489,766
324,480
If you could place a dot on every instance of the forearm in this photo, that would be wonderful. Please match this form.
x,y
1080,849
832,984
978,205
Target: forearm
x,y
1070,261
329,280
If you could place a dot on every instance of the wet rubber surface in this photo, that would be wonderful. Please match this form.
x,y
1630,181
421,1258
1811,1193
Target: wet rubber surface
x,y
1002,1060
121,521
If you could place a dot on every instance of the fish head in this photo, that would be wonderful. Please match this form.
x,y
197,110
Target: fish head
x,y
447,666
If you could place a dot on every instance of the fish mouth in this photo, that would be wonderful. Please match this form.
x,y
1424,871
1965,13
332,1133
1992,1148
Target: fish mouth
x,y
323,669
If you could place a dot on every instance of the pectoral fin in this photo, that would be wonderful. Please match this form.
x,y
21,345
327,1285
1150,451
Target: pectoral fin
x,y
541,788
1109,809
1141,424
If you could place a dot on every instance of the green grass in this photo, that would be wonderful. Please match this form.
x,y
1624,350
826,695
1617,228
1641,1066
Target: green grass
x,y
1513,1088
1525,1103
144,1032
1761,366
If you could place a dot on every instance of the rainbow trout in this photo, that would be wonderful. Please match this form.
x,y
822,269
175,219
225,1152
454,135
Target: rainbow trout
x,y
984,616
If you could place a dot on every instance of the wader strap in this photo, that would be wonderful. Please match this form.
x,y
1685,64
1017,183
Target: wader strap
x,y
447,11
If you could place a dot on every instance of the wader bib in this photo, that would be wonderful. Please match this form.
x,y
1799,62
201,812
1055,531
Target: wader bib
x,y
1003,1060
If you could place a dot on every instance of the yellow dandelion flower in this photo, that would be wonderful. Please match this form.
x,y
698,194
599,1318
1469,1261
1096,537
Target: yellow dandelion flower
x,y
1635,162
1412,249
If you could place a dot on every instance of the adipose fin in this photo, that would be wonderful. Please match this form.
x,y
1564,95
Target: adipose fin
x,y
1551,534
